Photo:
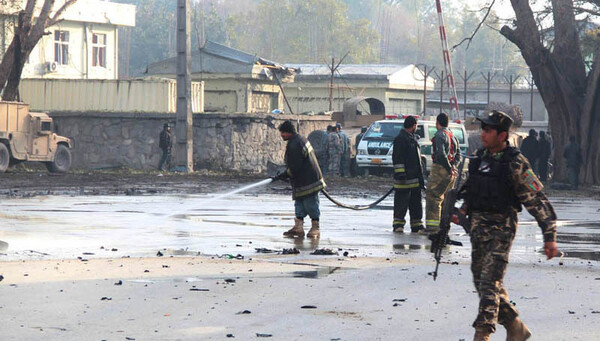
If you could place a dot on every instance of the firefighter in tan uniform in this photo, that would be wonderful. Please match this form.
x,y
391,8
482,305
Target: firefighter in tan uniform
x,y
445,156
500,181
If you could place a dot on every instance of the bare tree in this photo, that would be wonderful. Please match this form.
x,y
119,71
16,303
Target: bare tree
x,y
31,26
571,94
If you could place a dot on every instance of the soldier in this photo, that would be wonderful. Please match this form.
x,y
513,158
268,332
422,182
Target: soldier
x,y
500,181
165,145
334,151
359,137
408,178
572,153
530,148
345,159
545,151
445,156
306,178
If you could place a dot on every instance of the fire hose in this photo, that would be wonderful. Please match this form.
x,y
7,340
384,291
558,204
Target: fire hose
x,y
357,207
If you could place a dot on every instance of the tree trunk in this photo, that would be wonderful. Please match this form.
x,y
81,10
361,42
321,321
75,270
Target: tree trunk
x,y
571,98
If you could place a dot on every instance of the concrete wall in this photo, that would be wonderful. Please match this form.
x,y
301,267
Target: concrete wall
x,y
241,142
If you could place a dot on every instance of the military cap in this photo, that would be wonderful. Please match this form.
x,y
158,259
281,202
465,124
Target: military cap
x,y
166,125
497,119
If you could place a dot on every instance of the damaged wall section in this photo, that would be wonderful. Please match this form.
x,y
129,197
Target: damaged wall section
x,y
240,142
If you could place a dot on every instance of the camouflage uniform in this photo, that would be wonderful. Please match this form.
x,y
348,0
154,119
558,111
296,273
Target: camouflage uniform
x,y
334,150
445,157
493,230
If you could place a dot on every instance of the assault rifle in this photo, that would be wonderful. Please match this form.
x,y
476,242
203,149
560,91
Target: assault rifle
x,y
441,239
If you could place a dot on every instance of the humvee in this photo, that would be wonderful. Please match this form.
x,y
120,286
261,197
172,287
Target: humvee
x,y
29,136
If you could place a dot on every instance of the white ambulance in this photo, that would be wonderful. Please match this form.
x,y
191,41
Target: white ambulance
x,y
374,150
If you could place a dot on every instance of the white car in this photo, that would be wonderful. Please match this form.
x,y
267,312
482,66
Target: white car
x,y
376,146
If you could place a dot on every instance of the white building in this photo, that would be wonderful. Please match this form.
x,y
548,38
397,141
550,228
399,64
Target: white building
x,y
84,45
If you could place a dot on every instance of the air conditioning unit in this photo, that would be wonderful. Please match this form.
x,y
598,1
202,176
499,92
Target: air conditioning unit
x,y
51,67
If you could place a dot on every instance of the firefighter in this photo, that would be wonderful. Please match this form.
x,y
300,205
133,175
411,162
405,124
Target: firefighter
x,y
408,178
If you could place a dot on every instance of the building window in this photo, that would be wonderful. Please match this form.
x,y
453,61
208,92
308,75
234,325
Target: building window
x,y
61,47
99,50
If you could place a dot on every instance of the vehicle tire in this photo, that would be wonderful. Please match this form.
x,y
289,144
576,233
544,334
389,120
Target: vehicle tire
x,y
62,160
4,158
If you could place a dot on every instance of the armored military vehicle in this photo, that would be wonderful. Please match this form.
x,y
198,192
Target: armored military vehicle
x,y
29,136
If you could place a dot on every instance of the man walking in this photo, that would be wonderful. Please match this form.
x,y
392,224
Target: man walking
x,y
530,148
445,156
544,156
307,181
573,155
408,178
165,145
334,152
500,181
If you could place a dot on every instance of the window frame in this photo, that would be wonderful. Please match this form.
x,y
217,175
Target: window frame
x,y
61,47
99,59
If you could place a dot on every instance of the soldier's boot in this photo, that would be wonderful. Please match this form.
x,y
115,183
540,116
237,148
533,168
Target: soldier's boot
x,y
315,231
516,330
297,230
481,335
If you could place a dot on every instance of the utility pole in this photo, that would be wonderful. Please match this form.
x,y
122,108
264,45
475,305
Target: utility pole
x,y
531,83
425,74
511,81
465,79
488,79
184,134
441,78
333,68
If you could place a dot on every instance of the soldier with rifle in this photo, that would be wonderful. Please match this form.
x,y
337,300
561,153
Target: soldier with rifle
x,y
500,181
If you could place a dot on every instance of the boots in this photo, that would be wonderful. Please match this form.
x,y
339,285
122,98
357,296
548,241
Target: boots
x,y
297,230
481,335
314,230
516,330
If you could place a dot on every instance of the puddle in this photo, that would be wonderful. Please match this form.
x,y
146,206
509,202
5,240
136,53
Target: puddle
x,y
142,225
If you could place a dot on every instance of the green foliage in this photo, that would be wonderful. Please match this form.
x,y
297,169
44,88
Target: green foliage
x,y
312,31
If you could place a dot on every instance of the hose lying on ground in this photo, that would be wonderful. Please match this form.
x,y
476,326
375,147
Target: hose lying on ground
x,y
358,207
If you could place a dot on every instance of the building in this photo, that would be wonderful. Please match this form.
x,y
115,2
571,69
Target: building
x,y
399,87
235,81
84,45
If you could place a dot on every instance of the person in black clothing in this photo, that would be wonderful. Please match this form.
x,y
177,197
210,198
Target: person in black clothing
x,y
573,155
545,148
530,148
302,168
359,137
408,178
165,145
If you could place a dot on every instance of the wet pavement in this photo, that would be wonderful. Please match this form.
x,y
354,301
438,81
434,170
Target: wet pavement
x,y
53,227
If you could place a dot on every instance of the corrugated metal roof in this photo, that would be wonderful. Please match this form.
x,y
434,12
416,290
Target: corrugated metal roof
x,y
216,58
354,71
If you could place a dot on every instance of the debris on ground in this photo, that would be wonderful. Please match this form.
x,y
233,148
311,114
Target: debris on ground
x,y
263,335
243,312
159,254
106,298
198,289
120,282
308,307
292,251
324,252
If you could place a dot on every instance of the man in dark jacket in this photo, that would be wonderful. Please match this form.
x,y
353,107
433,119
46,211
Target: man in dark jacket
x,y
530,148
408,178
306,179
573,155
165,145
544,156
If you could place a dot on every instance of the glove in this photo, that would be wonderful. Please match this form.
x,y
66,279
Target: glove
x,y
279,176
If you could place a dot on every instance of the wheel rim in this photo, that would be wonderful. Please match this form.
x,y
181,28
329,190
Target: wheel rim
x,y
61,158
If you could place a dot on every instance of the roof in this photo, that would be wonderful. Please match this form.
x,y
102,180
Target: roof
x,y
318,72
397,76
217,58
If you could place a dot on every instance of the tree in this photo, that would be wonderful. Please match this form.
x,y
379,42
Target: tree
x,y
571,93
32,22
